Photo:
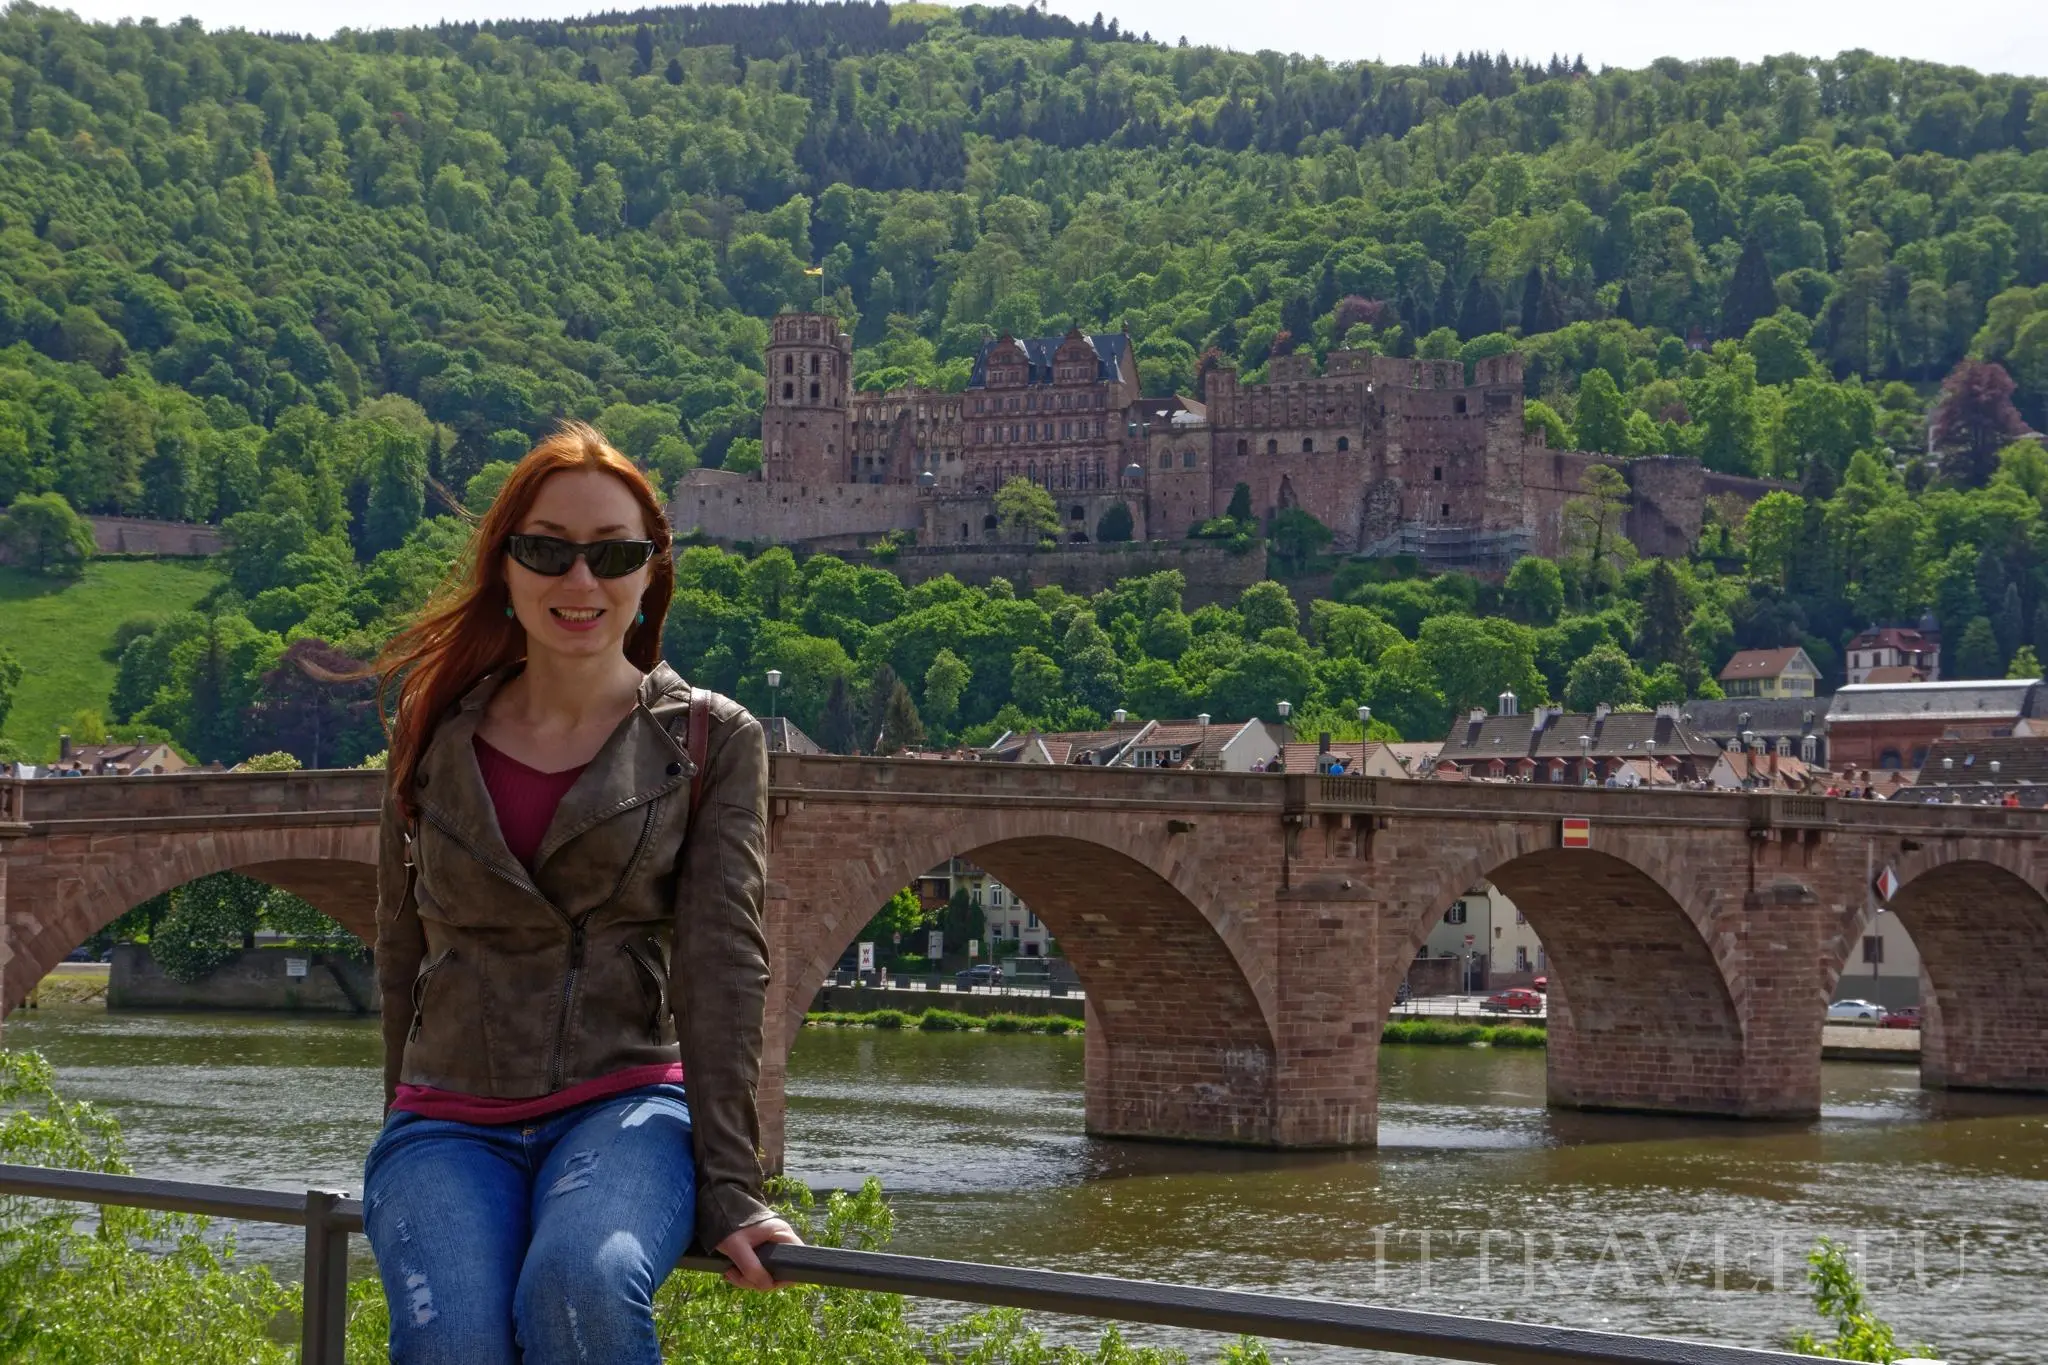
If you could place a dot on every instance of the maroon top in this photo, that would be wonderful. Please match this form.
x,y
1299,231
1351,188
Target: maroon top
x,y
525,797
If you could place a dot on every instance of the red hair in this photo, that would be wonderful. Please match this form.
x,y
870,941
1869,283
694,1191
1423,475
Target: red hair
x,y
464,632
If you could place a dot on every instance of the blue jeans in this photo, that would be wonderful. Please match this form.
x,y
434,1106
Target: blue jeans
x,y
540,1242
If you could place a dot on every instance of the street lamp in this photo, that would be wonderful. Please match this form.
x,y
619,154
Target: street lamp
x,y
1364,718
1286,709
774,691
1585,760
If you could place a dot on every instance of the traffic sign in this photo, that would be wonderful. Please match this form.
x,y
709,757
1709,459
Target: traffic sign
x,y
1575,831
1887,883
1470,940
935,944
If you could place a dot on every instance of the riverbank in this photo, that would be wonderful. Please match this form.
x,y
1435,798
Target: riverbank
x,y
1420,1032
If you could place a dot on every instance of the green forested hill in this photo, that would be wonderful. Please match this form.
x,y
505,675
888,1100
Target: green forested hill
x,y
279,283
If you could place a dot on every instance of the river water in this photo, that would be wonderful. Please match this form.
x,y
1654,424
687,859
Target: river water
x,y
1478,1200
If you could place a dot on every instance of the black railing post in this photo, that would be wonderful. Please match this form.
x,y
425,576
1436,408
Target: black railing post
x,y
324,1329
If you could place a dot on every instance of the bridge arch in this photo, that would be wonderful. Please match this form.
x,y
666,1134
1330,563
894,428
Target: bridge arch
x,y
1646,990
1977,914
56,902
1180,1003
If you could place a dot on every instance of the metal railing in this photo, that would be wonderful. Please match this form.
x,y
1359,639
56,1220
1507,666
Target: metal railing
x,y
329,1217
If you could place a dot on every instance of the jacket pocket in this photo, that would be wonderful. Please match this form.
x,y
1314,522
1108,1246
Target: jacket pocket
x,y
419,992
646,956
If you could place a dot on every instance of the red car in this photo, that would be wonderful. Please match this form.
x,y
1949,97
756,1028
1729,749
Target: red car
x,y
1909,1017
1542,984
1517,1000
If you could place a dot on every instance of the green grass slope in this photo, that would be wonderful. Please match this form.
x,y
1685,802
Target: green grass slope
x,y
61,631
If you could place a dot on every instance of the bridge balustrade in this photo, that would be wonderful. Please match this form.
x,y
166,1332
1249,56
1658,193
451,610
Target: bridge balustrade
x,y
331,1217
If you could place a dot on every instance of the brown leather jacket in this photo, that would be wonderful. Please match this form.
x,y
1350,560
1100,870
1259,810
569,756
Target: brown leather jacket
x,y
639,925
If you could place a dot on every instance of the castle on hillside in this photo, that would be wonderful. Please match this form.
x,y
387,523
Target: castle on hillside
x,y
1394,456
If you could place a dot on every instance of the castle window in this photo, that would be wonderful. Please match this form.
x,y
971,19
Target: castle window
x,y
1066,431
1308,445
1075,513
788,393
1343,443
1437,473
1166,460
814,393
1446,509
1187,459
1272,447
1244,448
789,364
988,523
1458,403
814,364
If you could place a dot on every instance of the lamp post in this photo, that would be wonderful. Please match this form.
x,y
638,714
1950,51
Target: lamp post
x,y
1585,760
774,691
1364,721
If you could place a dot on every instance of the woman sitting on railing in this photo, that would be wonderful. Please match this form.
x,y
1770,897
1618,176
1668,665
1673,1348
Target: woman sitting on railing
x,y
568,927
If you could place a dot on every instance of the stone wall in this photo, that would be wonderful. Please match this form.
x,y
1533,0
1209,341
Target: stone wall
x,y
865,999
731,508
137,535
259,979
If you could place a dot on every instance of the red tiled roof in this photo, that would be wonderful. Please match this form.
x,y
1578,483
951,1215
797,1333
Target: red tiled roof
x,y
1895,673
1758,663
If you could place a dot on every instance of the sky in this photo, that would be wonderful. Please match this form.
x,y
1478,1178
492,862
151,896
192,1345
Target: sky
x,y
1989,35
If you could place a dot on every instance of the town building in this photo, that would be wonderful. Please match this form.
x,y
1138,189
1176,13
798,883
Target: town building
x,y
1791,727
2008,770
1493,942
1237,747
1342,758
1394,456
1009,926
1549,744
115,759
1769,673
1895,725
1895,654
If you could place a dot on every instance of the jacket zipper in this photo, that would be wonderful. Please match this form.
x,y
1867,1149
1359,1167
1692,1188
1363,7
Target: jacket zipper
x,y
419,993
576,942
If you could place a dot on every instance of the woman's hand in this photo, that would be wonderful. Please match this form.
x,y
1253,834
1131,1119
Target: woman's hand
x,y
746,1271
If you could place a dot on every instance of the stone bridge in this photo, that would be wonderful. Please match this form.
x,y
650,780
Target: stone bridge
x,y
1241,936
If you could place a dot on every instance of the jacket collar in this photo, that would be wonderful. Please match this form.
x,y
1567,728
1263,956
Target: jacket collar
x,y
639,762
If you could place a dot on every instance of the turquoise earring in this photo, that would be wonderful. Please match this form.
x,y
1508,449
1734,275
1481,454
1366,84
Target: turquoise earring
x,y
640,618
508,612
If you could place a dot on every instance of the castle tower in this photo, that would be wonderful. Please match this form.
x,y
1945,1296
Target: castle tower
x,y
803,421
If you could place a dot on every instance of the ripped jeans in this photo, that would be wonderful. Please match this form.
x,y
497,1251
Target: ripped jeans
x,y
540,1242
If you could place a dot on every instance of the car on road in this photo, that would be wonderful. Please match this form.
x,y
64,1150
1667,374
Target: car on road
x,y
1908,1017
1516,1000
980,974
1851,1010
80,955
1542,985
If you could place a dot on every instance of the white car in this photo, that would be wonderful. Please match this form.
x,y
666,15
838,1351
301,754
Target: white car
x,y
1855,1009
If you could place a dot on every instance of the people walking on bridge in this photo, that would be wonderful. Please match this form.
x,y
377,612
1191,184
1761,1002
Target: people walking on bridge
x,y
569,941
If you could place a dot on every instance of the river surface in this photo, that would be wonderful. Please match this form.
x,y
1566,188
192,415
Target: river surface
x,y
1478,1200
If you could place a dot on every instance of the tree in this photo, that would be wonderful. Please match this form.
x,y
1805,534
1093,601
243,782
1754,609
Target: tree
x,y
1265,606
838,732
1602,416
307,706
961,920
1603,675
1534,591
1660,636
2025,664
1974,418
901,726
874,709
1592,523
1025,509
1115,525
944,683
10,678
1240,508
42,533
396,468
901,914
482,489
1035,682
1751,294
1977,652
1297,539
1774,532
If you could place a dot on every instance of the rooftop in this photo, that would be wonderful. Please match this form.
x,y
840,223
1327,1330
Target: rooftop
x,y
1763,663
1109,350
1976,699
1727,719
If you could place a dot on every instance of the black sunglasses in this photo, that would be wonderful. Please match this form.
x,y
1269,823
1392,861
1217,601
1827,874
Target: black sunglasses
x,y
551,557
